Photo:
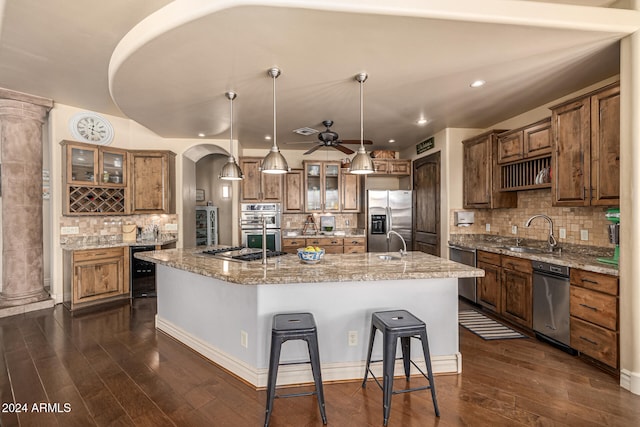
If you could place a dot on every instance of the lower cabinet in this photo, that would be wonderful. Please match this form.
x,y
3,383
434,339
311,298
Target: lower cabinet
x,y
95,276
331,245
517,291
594,316
506,287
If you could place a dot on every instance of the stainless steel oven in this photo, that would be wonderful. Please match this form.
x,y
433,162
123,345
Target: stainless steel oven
x,y
251,220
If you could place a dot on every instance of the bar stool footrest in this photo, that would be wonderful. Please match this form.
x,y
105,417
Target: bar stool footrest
x,y
307,393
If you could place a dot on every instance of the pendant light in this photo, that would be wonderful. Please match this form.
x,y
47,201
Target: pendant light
x,y
361,162
231,171
274,162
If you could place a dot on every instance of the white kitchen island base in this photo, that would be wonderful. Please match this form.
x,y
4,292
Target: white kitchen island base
x,y
230,323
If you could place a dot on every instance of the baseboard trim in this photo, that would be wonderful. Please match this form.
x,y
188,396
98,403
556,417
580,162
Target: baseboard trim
x,y
630,381
297,374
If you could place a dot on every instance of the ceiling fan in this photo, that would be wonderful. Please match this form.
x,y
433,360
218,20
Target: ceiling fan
x,y
329,138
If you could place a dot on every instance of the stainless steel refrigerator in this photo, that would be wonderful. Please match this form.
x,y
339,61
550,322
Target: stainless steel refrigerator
x,y
388,210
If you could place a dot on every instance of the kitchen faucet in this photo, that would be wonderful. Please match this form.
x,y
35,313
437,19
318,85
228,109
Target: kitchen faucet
x,y
551,239
263,220
403,252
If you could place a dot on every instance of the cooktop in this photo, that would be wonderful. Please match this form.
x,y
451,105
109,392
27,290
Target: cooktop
x,y
239,253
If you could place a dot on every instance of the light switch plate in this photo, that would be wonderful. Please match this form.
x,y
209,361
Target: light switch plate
x,y
69,230
171,227
514,229
488,227
584,234
563,233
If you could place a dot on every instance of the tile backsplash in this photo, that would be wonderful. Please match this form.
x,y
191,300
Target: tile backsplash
x,y
572,219
296,221
109,228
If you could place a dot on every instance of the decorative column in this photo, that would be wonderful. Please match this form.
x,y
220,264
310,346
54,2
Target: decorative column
x,y
21,120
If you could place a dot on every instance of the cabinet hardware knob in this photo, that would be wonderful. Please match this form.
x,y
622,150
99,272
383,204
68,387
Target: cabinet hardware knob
x,y
590,281
588,340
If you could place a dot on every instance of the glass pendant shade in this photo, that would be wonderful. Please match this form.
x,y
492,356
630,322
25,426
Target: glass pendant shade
x,y
231,171
274,162
361,163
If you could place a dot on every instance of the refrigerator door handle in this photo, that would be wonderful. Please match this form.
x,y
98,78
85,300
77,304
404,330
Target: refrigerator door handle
x,y
389,220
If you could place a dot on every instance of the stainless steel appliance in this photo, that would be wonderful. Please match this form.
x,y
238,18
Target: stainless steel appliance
x,y
251,217
239,253
551,297
467,286
142,274
388,210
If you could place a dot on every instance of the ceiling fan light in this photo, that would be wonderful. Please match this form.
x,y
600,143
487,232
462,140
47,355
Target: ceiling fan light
x,y
361,163
231,171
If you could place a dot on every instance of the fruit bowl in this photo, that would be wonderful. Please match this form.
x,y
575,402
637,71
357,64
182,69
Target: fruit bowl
x,y
310,257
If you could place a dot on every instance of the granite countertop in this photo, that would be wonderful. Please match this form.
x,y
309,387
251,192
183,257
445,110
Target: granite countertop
x,y
332,268
103,244
573,256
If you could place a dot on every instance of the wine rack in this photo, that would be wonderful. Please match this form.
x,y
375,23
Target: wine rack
x,y
522,175
92,200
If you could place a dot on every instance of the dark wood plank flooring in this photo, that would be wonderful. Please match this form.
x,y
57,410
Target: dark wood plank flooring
x,y
112,368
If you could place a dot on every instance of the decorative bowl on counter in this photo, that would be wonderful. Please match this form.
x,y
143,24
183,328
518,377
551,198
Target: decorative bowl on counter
x,y
310,257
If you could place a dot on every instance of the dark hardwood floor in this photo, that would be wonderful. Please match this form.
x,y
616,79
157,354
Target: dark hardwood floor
x,y
111,367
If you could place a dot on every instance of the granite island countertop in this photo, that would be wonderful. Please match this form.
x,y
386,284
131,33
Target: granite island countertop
x,y
361,267
570,256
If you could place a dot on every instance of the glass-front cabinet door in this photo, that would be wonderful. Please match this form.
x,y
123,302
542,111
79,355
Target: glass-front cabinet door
x,y
322,186
81,164
112,167
331,177
313,184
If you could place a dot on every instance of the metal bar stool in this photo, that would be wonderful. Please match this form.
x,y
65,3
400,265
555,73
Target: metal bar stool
x,y
396,324
294,326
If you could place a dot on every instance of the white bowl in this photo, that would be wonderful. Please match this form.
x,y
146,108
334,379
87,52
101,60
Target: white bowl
x,y
310,257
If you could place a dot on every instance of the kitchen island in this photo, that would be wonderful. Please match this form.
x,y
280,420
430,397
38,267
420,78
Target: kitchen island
x,y
223,309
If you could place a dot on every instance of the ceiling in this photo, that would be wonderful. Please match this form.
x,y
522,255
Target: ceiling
x,y
169,72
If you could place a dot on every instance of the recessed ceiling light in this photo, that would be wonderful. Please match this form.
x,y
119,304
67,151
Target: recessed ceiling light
x,y
477,83
391,141
422,121
201,135
268,138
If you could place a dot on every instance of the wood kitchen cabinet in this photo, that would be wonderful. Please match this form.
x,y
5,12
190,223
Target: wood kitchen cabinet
x,y
392,167
517,291
526,142
586,156
489,286
322,184
594,316
257,186
95,276
95,179
481,174
152,175
293,197
330,244
350,191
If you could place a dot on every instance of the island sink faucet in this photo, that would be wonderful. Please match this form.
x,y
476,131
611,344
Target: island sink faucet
x,y
551,239
403,252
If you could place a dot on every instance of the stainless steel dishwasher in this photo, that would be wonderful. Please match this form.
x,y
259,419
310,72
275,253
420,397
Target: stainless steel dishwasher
x,y
466,256
551,297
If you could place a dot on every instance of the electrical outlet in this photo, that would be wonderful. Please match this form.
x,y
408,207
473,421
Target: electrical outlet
x,y
69,230
514,229
584,234
244,339
288,224
563,233
346,222
171,227
353,338
488,227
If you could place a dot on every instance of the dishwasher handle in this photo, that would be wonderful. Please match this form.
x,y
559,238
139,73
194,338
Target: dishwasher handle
x,y
461,248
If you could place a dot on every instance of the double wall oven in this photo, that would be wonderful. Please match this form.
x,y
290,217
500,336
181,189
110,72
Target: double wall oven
x,y
251,217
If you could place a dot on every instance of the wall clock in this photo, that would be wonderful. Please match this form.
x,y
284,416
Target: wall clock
x,y
91,128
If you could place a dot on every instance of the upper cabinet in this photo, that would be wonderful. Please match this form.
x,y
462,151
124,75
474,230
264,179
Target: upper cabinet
x,y
257,186
586,159
322,186
151,178
392,167
481,176
109,181
351,191
293,197
525,143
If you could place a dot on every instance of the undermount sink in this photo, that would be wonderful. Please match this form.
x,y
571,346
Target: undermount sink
x,y
521,249
389,257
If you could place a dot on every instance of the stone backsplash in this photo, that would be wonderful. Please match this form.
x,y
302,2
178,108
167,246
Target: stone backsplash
x,y
295,222
109,228
573,219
